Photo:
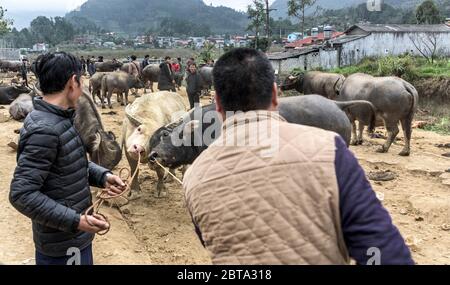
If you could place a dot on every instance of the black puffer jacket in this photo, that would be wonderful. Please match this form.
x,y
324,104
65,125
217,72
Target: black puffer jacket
x,y
52,178
166,77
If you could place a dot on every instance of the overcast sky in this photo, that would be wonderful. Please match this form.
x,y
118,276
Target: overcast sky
x,y
67,5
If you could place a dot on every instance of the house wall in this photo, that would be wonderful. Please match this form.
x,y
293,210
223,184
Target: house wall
x,y
384,44
374,45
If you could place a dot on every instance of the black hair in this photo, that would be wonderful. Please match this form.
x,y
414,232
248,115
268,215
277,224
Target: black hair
x,y
147,56
54,70
167,57
133,57
243,79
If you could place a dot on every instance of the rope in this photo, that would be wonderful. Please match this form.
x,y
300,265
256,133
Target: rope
x,y
103,196
170,173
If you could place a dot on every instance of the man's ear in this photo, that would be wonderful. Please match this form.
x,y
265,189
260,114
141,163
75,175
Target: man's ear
x,y
219,107
274,104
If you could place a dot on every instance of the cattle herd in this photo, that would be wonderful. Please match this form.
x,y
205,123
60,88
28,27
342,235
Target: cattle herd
x,y
150,127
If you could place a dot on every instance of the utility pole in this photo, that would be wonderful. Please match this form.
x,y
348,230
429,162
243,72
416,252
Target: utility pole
x,y
268,10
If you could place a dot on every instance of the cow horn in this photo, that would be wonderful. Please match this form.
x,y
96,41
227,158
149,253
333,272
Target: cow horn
x,y
131,118
292,77
36,91
97,142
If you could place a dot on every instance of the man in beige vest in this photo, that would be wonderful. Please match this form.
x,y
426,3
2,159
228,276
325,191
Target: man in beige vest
x,y
270,192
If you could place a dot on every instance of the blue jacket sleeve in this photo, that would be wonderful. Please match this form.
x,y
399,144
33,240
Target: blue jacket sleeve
x,y
365,222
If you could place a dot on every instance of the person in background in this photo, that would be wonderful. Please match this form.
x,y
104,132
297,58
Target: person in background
x,y
24,71
194,87
146,61
134,68
100,59
51,181
166,81
176,67
91,66
269,192
83,63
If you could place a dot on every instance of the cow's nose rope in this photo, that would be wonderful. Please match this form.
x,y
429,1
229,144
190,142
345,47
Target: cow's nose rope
x,y
168,170
125,175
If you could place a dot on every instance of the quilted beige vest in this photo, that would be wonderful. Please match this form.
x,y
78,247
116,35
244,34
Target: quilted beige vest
x,y
267,199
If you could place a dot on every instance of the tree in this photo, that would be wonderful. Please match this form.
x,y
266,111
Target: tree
x,y
427,45
256,14
4,23
428,13
267,18
297,8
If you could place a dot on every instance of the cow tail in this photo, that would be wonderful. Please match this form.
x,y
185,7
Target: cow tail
x,y
414,95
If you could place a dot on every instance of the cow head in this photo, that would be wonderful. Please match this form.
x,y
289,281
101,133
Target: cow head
x,y
135,82
106,151
137,142
20,89
293,82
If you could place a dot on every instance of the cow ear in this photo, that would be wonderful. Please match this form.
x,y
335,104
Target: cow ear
x,y
191,126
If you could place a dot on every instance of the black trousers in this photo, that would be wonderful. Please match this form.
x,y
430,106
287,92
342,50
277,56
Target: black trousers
x,y
194,98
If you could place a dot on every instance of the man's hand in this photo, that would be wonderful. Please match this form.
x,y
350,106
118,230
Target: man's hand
x,y
98,224
114,185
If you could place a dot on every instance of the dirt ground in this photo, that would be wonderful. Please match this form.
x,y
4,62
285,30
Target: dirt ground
x,y
159,230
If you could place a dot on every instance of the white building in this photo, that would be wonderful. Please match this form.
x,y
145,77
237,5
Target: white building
x,y
40,47
367,40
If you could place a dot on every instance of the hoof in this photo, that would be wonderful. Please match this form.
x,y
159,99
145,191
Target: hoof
x,y
404,153
353,142
382,150
103,107
134,195
359,142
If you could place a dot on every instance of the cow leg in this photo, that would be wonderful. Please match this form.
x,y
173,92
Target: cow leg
x,y
102,98
110,93
126,97
360,139
354,140
151,87
160,187
392,130
407,131
135,187
93,97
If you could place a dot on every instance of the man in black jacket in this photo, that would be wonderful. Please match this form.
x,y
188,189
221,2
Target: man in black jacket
x,y
52,178
166,80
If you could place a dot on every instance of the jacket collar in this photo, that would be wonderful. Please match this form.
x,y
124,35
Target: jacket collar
x,y
40,105
241,118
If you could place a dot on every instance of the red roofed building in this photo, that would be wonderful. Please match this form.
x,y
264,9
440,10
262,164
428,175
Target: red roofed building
x,y
312,40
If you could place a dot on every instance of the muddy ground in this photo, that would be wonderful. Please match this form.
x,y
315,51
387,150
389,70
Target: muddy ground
x,y
159,231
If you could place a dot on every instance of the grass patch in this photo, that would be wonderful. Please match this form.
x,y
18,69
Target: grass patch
x,y
407,67
442,126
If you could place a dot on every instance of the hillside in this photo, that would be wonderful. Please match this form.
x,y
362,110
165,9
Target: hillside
x,y
173,17
281,5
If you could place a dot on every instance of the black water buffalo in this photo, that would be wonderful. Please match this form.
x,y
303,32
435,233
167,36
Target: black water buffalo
x,y
395,101
10,66
108,66
206,76
315,82
311,110
10,93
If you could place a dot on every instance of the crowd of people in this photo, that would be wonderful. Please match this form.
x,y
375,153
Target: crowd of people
x,y
172,72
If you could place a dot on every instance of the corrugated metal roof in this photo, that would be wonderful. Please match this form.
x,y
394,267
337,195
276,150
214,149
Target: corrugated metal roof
x,y
291,53
311,40
346,39
393,28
